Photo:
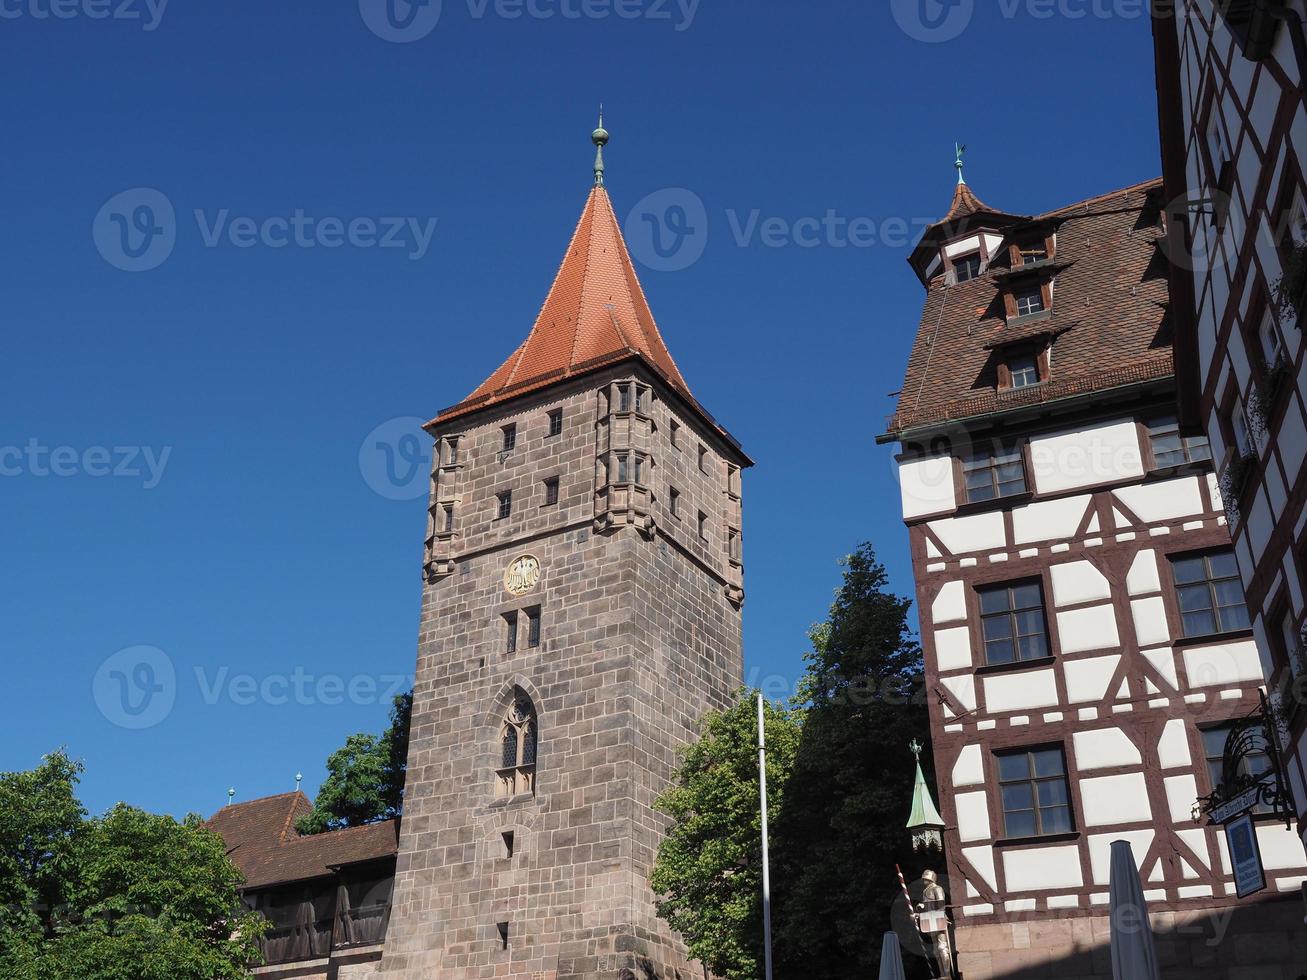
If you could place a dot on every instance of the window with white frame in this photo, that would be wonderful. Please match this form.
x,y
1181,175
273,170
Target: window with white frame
x,y
1272,344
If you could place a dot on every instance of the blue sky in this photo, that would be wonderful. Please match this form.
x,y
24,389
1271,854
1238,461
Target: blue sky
x,y
189,452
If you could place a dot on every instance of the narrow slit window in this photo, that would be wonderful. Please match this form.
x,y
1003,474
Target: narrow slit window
x,y
448,521
703,525
555,422
502,927
510,633
509,840
674,501
551,491
510,437
623,398
505,504
533,627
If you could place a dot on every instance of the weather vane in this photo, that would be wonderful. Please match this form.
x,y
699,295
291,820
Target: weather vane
x,y
960,148
915,747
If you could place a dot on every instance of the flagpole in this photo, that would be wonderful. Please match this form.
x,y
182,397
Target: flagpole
x,y
766,865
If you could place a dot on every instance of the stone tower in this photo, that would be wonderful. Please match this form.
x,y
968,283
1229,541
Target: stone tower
x,y
581,613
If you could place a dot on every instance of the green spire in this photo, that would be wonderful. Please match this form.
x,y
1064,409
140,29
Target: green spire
x,y
960,149
600,139
925,821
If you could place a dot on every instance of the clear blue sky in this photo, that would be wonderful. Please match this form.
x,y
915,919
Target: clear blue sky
x,y
258,546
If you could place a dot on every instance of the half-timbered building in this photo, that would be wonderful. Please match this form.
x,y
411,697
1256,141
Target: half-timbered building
x,y
1083,625
1234,138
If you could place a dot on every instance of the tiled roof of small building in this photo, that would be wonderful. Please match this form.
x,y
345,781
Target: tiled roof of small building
x,y
1108,317
263,843
595,314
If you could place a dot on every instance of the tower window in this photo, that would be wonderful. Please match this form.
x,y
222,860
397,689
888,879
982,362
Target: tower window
x,y
451,450
510,437
1210,593
1012,621
733,544
510,632
703,525
1034,793
623,468
503,934
993,473
1023,371
555,422
675,435
703,459
517,754
448,519
967,267
1029,301
533,627
509,840
674,501
641,395
505,504
639,469
623,398
551,491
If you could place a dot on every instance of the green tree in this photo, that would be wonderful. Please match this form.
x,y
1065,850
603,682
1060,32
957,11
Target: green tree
x,y
126,896
842,830
708,872
365,777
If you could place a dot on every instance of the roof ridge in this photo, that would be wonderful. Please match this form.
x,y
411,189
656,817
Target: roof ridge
x,y
1099,198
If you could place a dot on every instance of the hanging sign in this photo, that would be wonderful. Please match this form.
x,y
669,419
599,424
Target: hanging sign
x,y
1245,856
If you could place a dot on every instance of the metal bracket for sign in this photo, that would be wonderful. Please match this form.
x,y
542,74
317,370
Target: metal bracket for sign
x,y
1240,792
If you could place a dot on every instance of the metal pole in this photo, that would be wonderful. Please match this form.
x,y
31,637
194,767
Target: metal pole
x,y
766,865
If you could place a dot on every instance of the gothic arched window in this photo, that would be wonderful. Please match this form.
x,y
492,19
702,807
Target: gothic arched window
x,y
517,748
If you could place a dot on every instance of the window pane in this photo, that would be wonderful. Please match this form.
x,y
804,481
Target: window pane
x,y
1199,624
1020,824
1223,564
1028,596
1198,448
1194,598
1018,797
1030,623
999,652
1048,763
1214,742
1234,618
509,755
1033,647
1189,570
1056,820
1013,767
998,627
994,600
1229,592
1053,793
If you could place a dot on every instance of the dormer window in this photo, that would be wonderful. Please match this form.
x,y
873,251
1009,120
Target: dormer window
x,y
1029,300
967,267
1032,253
1023,370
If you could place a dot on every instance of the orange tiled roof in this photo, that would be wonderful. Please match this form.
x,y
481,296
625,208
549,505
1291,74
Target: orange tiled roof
x,y
965,203
262,841
595,314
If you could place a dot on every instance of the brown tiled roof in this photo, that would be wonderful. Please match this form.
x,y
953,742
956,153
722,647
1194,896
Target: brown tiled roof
x,y
1109,317
965,202
263,843
595,314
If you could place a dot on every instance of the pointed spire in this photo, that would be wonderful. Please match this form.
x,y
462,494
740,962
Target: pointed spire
x,y
960,149
600,139
925,822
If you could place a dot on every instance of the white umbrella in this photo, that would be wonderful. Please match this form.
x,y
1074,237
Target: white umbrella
x,y
1133,954
891,958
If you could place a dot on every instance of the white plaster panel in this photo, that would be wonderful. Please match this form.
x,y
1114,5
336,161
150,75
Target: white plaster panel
x,y
1197,841
1087,680
1163,662
1039,868
1105,748
969,770
973,816
978,532
963,246
926,486
950,604
1143,577
953,648
1049,519
1100,851
1292,441
1150,621
1086,458
1224,664
1214,492
1281,849
1078,581
1017,692
1173,746
963,688
983,860
1168,500
1259,521
1088,629
1181,795
1115,799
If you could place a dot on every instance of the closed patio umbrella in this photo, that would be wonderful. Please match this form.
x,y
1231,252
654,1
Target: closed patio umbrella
x,y
1133,954
891,959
